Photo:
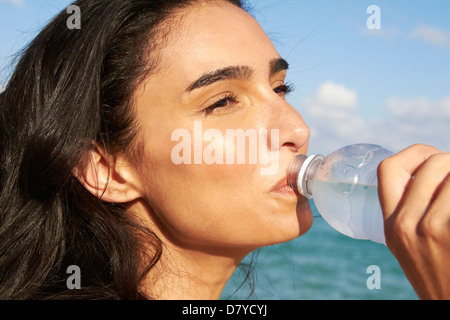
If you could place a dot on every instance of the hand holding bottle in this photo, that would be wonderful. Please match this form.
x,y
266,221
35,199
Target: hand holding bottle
x,y
414,190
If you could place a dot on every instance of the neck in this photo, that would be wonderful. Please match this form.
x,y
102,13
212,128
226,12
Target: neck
x,y
186,271
189,275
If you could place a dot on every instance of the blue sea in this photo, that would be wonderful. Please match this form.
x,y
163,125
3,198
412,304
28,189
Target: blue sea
x,y
322,265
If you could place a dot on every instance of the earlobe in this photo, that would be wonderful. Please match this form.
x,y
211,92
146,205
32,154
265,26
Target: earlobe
x,y
108,177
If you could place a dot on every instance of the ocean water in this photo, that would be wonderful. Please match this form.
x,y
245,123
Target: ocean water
x,y
322,265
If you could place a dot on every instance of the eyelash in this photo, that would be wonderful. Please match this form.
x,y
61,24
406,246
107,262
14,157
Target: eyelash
x,y
223,103
285,88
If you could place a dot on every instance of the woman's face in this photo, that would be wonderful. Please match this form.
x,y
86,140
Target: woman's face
x,y
219,78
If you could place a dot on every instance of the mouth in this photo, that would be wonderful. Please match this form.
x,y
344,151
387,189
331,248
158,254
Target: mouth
x,y
283,188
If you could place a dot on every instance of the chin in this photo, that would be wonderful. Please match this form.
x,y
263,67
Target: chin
x,y
291,226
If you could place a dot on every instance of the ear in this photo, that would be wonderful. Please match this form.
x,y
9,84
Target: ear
x,y
109,178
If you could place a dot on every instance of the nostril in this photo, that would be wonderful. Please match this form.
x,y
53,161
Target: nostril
x,y
291,146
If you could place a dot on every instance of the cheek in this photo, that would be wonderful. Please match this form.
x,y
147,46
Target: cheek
x,y
204,205
208,201
201,197
190,185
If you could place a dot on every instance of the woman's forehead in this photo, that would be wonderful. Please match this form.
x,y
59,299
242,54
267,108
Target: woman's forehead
x,y
215,36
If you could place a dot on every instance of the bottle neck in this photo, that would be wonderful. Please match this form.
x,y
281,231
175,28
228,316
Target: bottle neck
x,y
301,173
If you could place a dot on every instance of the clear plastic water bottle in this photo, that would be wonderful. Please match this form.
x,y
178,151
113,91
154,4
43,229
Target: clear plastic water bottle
x,y
344,188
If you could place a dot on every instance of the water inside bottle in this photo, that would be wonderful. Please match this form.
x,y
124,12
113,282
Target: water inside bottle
x,y
341,205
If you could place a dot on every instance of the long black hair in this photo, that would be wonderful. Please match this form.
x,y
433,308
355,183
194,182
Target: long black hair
x,y
71,88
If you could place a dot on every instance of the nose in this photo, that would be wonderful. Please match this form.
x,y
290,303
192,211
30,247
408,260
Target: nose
x,y
294,134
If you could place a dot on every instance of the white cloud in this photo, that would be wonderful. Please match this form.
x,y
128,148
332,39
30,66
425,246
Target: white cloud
x,y
420,120
410,109
332,100
332,94
444,107
418,109
408,121
17,3
428,34
431,35
332,115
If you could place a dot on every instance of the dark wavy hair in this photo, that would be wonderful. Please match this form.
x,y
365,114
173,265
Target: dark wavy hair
x,y
70,89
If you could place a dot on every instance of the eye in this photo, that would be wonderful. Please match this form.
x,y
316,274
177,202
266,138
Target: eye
x,y
222,103
284,89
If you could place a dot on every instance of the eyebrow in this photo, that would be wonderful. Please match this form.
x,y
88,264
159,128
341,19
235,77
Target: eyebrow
x,y
235,72
277,65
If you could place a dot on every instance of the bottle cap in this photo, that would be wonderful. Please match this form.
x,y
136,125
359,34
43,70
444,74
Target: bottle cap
x,y
294,172
298,172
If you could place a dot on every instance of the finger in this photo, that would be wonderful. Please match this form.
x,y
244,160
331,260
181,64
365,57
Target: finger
x,y
395,173
427,182
436,221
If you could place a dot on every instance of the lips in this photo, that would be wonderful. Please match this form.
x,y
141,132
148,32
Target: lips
x,y
283,187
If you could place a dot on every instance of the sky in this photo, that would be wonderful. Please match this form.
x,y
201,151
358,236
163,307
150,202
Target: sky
x,y
354,84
